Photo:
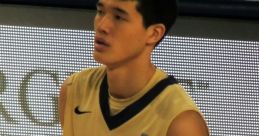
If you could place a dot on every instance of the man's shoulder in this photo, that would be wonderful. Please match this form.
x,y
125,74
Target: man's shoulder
x,y
86,79
91,70
86,74
189,120
177,100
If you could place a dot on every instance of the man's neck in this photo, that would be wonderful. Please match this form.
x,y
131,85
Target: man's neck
x,y
125,82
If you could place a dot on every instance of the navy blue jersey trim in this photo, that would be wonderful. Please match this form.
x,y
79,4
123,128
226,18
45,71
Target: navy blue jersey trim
x,y
133,109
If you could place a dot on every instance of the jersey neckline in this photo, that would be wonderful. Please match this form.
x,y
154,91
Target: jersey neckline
x,y
133,109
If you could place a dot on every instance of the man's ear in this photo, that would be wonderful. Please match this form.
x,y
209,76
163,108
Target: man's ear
x,y
155,33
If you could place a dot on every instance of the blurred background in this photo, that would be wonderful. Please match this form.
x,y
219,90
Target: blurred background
x,y
213,50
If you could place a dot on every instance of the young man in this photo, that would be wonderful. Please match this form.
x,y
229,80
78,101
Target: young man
x,y
128,95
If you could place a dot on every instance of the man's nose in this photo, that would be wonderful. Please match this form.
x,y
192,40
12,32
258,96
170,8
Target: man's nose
x,y
104,25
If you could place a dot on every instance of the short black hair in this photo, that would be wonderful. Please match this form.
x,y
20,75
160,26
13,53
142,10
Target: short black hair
x,y
158,11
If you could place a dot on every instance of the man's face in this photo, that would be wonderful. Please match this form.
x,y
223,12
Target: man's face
x,y
120,35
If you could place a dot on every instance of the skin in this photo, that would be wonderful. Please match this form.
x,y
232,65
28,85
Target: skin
x,y
124,45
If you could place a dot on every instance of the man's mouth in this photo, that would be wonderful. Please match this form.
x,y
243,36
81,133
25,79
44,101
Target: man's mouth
x,y
100,41
100,44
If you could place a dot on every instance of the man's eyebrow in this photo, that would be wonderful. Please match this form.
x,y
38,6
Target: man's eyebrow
x,y
127,0
120,11
115,9
99,4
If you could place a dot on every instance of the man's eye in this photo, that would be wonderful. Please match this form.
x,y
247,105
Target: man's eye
x,y
119,17
99,12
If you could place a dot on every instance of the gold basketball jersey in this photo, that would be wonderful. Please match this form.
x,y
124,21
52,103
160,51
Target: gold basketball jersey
x,y
91,111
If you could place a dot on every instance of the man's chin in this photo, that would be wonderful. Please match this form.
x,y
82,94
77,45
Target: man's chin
x,y
97,57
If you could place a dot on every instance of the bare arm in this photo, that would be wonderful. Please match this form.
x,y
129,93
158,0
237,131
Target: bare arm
x,y
188,123
62,102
